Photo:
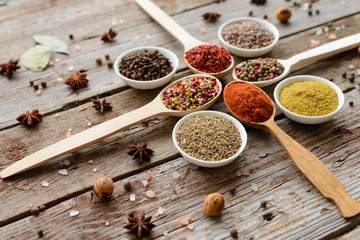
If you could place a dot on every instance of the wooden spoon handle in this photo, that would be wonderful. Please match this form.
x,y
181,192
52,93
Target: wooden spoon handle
x,y
169,24
318,174
324,51
83,139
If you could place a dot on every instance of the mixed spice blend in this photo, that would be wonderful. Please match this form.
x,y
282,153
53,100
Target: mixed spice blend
x,y
190,93
248,35
260,69
309,98
209,137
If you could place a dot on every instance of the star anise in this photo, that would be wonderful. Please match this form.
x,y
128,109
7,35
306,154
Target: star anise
x,y
101,105
139,225
140,152
30,119
258,2
77,80
211,17
108,36
9,68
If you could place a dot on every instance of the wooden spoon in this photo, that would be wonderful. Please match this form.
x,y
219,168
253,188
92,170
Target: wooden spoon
x,y
311,166
188,41
307,57
104,130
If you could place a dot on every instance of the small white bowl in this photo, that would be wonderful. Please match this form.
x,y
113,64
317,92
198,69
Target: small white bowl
x,y
308,119
151,83
203,163
249,53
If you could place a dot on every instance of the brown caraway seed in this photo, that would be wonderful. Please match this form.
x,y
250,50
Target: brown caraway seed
x,y
196,137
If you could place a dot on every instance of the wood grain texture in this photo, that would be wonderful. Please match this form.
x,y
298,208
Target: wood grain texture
x,y
78,19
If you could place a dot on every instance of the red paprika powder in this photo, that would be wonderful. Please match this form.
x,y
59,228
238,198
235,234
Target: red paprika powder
x,y
248,102
208,58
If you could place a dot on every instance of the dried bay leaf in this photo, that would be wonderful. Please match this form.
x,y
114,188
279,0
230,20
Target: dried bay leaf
x,y
54,43
36,58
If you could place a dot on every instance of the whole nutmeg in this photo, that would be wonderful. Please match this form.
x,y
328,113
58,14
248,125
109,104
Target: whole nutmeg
x,y
214,203
103,188
283,13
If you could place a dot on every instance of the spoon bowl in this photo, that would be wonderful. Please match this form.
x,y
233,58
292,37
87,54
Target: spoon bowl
x,y
104,130
307,57
311,166
188,41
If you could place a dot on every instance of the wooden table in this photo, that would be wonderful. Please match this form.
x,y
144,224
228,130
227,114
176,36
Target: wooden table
x,y
300,211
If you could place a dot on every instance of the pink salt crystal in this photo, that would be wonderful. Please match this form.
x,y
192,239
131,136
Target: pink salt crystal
x,y
51,63
332,36
314,43
358,72
203,30
246,173
62,62
77,48
185,221
145,183
150,194
175,174
148,175
80,67
38,92
61,72
56,115
68,134
90,162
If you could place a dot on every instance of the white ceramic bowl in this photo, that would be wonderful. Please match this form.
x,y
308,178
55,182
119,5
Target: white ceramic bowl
x,y
302,118
249,53
153,83
203,163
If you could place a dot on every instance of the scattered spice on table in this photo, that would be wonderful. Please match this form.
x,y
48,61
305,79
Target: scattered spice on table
x,y
71,36
141,152
41,234
43,84
260,69
31,82
30,119
108,36
9,68
101,105
139,225
214,203
103,188
234,234
77,80
145,66
351,103
191,93
126,184
36,87
98,60
208,58
283,13
248,35
107,57
211,16
309,98
248,102
197,137
258,2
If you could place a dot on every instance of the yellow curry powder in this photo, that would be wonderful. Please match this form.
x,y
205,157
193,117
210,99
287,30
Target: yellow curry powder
x,y
309,98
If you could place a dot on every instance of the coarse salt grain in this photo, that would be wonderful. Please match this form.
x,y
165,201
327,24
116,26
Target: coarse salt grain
x,y
63,172
185,221
165,233
57,60
150,194
148,37
351,66
73,213
148,175
56,115
44,183
95,169
60,79
175,174
77,48
51,63
190,226
145,183
68,134
161,210
107,223
89,124
314,43
254,187
132,197
332,36
70,68
203,30
38,92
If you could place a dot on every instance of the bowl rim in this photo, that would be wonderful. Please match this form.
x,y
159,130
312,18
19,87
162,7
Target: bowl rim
x,y
271,27
241,129
138,49
297,78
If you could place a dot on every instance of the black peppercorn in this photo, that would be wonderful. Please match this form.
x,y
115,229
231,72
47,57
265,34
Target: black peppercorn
x,y
343,74
31,82
98,61
41,234
263,203
35,211
351,103
352,78
71,36
265,16
43,84
110,64
310,12
234,233
36,87
107,57
232,190
317,11
250,13
42,208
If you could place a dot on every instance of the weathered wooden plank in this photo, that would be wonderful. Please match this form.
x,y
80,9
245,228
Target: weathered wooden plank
x,y
300,211
19,97
123,102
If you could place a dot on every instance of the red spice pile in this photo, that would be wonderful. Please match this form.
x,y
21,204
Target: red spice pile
x,y
248,102
208,58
